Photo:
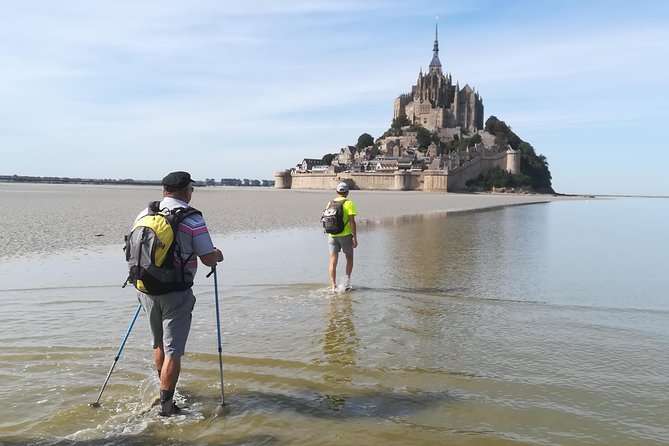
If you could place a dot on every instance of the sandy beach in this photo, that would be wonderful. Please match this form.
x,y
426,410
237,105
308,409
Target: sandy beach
x,y
104,215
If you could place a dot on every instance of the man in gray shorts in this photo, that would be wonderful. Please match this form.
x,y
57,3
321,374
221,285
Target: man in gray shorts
x,y
344,241
170,314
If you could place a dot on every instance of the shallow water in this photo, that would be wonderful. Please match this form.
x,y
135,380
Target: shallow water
x,y
542,324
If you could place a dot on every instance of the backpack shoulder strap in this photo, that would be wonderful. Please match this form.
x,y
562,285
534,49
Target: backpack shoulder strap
x,y
154,207
179,214
191,211
182,213
343,214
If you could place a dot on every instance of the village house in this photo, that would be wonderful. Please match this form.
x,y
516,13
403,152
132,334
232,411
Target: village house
x,y
308,164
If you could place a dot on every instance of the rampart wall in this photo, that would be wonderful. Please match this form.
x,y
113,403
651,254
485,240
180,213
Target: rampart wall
x,y
458,177
428,180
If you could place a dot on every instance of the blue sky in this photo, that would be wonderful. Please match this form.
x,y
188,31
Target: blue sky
x,y
134,89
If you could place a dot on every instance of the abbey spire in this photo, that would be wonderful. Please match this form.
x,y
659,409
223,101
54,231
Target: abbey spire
x,y
438,105
435,65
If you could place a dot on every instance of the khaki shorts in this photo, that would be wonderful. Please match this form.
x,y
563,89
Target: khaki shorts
x,y
343,243
170,317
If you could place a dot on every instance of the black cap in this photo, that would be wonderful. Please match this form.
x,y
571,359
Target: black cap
x,y
174,181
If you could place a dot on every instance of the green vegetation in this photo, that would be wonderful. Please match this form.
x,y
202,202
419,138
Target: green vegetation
x,y
532,166
364,140
460,144
424,137
327,158
498,177
396,126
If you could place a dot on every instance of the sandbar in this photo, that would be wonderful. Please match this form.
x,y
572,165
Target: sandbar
x,y
51,217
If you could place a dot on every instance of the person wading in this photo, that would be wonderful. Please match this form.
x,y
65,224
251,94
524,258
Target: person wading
x,y
170,314
346,240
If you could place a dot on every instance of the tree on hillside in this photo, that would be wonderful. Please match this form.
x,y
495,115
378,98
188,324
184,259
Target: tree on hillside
x,y
498,177
327,158
423,137
460,144
396,126
400,121
533,166
494,126
364,140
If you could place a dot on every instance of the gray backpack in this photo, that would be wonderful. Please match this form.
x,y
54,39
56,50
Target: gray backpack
x,y
333,217
150,249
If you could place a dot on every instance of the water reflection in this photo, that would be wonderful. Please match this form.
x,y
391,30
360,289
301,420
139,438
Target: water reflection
x,y
427,252
340,345
468,254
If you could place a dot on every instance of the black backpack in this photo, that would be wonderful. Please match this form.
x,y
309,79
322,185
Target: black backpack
x,y
150,249
333,217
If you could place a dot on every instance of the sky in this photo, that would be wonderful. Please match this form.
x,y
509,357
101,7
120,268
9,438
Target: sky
x,y
227,89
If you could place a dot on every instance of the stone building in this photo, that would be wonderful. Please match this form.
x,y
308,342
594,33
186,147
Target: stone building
x,y
435,103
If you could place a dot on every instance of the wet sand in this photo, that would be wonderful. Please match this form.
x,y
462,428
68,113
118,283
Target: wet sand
x,y
103,214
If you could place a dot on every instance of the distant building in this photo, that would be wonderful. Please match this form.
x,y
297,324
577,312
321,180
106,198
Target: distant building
x,y
435,103
308,164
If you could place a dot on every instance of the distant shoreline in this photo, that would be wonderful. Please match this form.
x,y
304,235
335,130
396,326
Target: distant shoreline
x,y
630,196
74,180
22,179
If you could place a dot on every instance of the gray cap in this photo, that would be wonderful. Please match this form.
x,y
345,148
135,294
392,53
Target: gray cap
x,y
342,187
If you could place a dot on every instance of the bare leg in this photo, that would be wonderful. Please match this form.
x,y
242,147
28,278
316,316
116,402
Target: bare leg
x,y
159,358
170,373
349,263
333,270
169,368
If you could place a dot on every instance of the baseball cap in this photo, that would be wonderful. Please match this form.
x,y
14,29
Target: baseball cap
x,y
342,187
177,180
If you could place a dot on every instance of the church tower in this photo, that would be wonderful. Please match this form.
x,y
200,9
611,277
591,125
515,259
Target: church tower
x,y
435,65
435,103
433,86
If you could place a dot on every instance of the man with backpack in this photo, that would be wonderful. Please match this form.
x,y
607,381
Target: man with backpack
x,y
164,285
339,222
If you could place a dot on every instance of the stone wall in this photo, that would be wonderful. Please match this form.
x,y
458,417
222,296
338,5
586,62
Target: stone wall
x,y
429,180
398,180
458,177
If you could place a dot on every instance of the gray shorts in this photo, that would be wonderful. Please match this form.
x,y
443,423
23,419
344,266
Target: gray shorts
x,y
343,243
170,317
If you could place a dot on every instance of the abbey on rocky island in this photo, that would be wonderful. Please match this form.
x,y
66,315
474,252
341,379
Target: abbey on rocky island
x,y
396,161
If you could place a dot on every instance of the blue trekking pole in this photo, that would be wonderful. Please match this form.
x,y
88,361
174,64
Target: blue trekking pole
x,y
218,331
118,355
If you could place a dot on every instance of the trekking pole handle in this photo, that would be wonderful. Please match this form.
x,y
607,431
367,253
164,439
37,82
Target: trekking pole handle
x,y
213,269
